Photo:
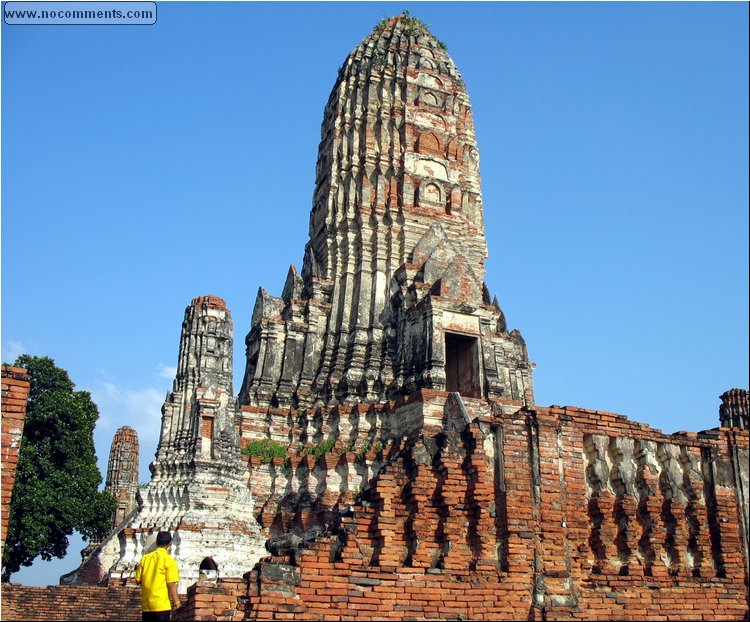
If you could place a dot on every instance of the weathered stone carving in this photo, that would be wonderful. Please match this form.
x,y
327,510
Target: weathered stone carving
x,y
697,554
733,412
601,502
395,261
623,480
285,544
661,521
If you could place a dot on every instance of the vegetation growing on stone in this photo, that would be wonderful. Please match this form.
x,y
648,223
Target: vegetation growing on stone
x,y
379,59
266,450
382,24
412,27
362,452
57,479
320,449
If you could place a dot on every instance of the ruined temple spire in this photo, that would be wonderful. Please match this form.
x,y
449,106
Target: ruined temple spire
x,y
122,472
396,258
733,412
197,490
202,387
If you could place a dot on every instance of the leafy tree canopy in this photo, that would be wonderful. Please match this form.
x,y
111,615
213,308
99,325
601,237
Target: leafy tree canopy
x,y
57,478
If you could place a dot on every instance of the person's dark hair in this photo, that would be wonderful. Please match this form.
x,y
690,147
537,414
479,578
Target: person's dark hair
x,y
164,537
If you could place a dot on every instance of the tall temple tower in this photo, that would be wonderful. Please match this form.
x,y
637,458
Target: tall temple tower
x,y
391,297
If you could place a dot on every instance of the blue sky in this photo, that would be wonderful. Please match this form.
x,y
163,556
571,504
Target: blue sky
x,y
145,165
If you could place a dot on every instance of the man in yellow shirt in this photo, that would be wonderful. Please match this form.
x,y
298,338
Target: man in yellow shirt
x,y
158,576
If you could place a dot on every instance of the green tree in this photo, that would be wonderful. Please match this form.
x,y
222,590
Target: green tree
x,y
57,479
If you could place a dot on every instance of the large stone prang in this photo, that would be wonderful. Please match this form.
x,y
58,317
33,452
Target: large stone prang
x,y
394,268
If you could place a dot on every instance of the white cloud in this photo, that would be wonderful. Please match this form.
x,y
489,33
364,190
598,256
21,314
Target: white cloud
x,y
167,372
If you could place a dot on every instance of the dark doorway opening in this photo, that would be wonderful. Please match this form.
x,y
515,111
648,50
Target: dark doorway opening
x,y
462,365
208,569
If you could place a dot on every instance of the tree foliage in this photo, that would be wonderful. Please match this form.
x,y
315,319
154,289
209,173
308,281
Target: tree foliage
x,y
57,478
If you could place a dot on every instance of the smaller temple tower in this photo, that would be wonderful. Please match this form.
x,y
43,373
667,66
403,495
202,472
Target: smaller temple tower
x,y
197,489
122,472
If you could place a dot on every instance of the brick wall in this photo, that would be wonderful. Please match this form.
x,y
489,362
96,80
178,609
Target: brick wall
x,y
546,513
15,391
551,513
64,602
223,599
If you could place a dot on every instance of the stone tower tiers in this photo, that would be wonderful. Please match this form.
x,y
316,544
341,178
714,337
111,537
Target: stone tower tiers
x,y
733,412
198,415
391,296
197,489
122,472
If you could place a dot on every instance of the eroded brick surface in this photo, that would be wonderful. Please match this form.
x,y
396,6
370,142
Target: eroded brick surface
x,y
65,602
15,391
122,472
546,513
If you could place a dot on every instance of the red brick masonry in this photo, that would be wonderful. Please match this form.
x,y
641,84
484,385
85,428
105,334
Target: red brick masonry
x,y
66,602
550,513
587,516
15,391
